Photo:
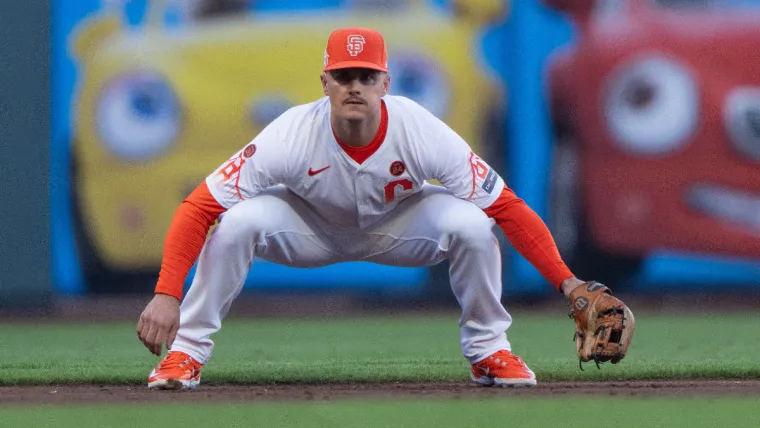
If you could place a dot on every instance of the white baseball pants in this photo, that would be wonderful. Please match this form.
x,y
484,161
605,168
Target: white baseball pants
x,y
422,230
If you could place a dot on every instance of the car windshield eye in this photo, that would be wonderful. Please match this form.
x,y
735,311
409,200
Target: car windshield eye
x,y
138,116
651,105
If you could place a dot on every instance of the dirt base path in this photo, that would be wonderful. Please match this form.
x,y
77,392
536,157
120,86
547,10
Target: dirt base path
x,y
100,394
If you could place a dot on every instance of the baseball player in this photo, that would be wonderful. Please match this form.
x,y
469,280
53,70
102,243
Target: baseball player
x,y
344,179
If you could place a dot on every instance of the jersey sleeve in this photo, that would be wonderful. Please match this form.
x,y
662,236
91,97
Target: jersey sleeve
x,y
260,164
529,235
461,171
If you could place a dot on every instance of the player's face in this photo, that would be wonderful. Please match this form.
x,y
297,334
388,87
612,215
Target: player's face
x,y
355,92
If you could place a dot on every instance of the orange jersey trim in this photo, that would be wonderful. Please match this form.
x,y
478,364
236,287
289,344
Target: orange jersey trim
x,y
185,239
360,154
529,235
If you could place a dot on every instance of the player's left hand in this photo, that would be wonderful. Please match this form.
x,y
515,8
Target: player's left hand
x,y
159,323
604,324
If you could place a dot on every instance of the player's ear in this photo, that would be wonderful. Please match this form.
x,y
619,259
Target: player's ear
x,y
323,79
386,84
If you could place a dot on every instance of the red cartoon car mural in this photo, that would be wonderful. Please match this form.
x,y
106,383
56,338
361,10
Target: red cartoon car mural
x,y
656,107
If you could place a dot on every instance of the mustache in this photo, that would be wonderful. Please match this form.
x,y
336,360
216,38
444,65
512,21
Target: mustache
x,y
354,100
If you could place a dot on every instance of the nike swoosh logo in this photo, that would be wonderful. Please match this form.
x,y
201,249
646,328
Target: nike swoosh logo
x,y
313,173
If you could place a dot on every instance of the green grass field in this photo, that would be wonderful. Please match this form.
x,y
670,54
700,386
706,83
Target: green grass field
x,y
385,349
421,413
379,349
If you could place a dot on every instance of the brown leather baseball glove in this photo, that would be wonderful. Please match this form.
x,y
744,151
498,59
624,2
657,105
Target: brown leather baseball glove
x,y
603,324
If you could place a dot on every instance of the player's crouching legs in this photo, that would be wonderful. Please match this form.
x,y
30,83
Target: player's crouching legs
x,y
278,227
243,228
475,265
475,272
466,236
467,227
223,266
274,226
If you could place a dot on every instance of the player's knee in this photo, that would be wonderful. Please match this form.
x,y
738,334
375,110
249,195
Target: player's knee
x,y
471,229
245,222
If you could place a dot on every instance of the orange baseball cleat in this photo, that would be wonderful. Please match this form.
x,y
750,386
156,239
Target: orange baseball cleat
x,y
503,368
176,370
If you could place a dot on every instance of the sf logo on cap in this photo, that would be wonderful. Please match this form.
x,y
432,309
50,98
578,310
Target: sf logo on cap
x,y
355,44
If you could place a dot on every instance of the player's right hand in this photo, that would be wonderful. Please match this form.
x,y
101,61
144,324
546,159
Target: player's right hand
x,y
159,323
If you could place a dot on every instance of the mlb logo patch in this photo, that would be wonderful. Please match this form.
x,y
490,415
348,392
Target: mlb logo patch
x,y
490,181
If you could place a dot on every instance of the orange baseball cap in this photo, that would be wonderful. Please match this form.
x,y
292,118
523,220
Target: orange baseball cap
x,y
356,48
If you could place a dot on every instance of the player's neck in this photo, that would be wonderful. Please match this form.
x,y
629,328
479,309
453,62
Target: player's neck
x,y
355,133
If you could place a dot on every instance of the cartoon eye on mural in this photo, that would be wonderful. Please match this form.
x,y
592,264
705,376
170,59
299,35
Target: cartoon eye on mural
x,y
656,109
137,116
156,109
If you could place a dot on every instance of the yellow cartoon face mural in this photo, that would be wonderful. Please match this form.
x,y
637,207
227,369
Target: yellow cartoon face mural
x,y
157,110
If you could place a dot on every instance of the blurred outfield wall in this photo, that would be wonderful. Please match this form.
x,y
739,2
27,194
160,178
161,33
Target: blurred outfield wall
x,y
25,278
149,97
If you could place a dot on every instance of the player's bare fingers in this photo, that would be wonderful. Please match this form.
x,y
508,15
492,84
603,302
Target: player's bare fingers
x,y
150,338
140,327
162,335
147,322
145,340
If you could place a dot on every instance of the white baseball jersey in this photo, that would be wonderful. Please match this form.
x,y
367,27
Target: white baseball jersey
x,y
353,221
299,150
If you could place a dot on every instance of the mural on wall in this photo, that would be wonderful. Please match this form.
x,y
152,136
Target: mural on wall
x,y
164,91
635,138
656,150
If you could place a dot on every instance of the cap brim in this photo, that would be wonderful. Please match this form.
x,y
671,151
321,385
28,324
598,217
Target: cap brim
x,y
354,64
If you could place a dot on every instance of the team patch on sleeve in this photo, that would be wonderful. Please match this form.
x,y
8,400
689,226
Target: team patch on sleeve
x,y
484,178
490,181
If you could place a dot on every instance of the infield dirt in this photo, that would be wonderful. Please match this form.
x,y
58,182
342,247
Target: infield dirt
x,y
103,394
